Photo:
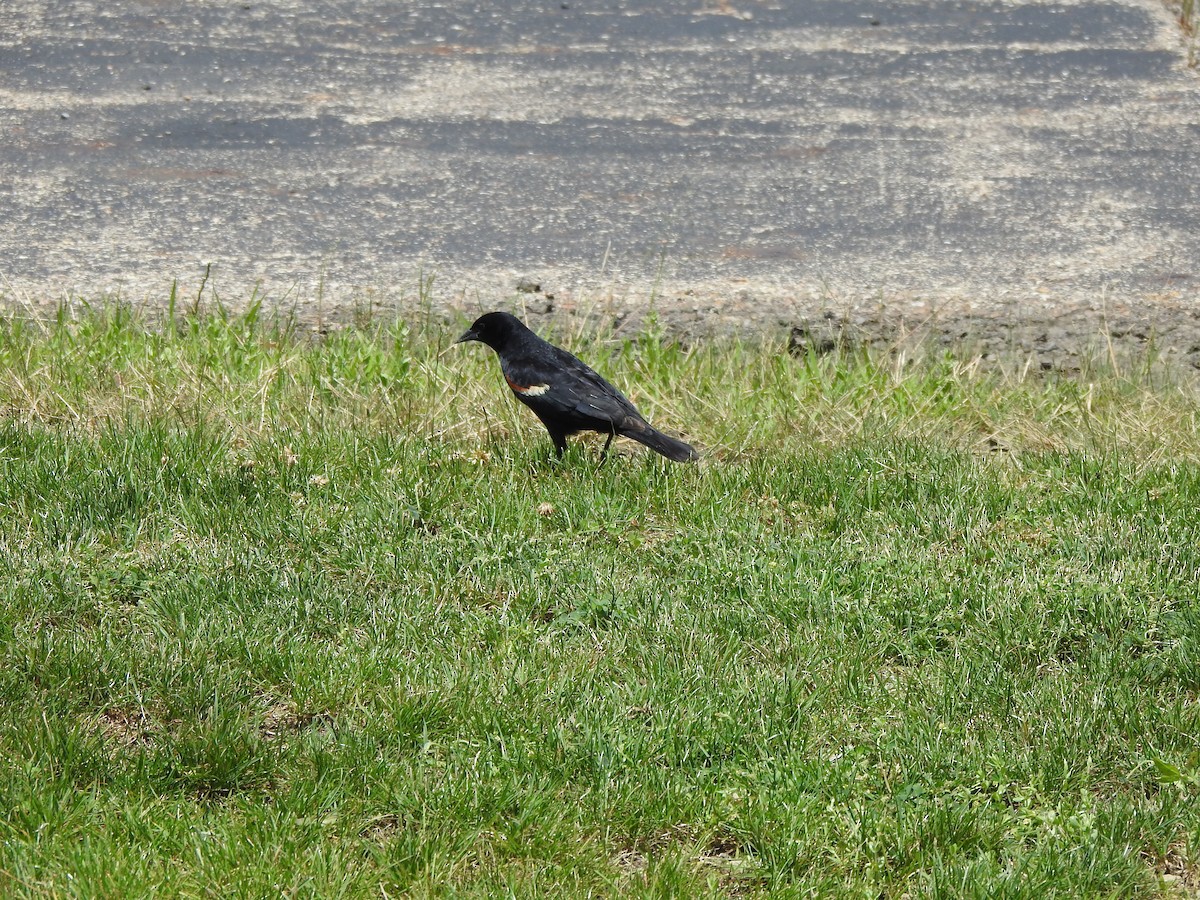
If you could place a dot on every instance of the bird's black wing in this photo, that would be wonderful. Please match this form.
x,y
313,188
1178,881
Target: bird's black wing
x,y
591,393
556,384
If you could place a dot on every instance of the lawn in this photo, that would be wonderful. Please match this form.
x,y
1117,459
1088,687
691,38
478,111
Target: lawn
x,y
320,616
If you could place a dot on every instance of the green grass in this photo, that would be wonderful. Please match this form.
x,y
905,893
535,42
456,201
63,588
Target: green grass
x,y
1186,15
322,618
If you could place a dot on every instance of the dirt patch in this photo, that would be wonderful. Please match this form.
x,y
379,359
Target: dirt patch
x,y
1046,334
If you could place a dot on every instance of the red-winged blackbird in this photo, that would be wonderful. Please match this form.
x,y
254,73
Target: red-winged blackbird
x,y
564,393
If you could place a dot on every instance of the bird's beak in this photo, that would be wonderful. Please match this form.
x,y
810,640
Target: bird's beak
x,y
468,335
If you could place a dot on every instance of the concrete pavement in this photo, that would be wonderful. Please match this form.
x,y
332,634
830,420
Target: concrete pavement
x,y
1018,172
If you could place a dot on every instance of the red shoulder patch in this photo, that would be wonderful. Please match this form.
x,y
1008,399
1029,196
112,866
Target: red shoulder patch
x,y
529,390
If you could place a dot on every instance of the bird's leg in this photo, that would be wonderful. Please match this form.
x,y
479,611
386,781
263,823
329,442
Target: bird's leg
x,y
604,452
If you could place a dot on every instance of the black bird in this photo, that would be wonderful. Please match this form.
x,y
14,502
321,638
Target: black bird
x,y
563,392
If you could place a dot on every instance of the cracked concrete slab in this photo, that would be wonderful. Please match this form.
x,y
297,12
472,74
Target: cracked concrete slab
x,y
1018,172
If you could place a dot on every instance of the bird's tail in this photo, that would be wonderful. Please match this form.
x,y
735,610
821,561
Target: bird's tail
x,y
659,442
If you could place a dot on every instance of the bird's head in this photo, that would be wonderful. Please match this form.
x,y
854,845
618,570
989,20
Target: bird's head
x,y
494,329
